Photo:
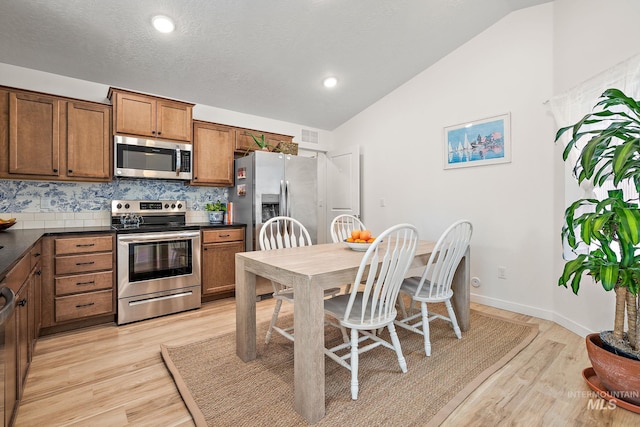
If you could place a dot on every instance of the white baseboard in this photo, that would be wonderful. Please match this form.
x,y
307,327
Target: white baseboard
x,y
532,311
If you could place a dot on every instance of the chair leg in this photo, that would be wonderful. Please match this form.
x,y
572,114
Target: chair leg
x,y
452,317
396,345
276,311
425,328
354,364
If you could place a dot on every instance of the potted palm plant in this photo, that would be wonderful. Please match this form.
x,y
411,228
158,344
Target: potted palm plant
x,y
605,234
216,211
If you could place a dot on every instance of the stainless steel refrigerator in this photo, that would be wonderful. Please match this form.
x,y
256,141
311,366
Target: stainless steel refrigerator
x,y
274,184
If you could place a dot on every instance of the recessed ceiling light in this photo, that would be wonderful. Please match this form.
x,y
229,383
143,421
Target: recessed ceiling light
x,y
163,24
330,82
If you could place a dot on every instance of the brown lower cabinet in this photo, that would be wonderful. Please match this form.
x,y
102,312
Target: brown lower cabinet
x,y
219,248
80,281
22,328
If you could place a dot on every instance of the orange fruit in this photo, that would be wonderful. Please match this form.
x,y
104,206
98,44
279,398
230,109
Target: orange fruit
x,y
365,234
349,239
371,240
355,234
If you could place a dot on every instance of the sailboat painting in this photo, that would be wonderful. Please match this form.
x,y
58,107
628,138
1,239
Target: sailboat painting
x,y
477,143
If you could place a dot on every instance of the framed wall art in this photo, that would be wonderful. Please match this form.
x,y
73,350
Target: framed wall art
x,y
478,143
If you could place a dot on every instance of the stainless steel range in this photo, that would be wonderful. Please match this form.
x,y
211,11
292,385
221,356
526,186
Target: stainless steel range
x,y
158,259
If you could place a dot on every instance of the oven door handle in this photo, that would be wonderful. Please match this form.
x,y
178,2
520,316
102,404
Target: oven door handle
x,y
159,237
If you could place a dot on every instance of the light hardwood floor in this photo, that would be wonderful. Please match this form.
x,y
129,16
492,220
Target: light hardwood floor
x,y
114,376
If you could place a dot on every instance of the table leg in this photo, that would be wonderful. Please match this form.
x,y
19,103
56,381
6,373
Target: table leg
x,y
308,364
245,312
461,292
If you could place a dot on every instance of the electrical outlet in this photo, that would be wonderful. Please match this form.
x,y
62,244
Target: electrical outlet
x,y
502,272
383,203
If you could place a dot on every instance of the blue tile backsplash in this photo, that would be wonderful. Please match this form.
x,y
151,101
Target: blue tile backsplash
x,y
60,204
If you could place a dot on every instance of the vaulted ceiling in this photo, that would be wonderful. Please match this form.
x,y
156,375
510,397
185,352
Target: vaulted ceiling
x,y
262,57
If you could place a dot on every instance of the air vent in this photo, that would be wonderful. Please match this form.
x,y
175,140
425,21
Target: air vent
x,y
310,136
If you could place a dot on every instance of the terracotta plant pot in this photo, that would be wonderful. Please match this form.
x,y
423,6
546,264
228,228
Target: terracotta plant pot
x,y
620,375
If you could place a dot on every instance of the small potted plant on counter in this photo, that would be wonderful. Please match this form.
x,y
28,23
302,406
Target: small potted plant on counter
x,y
216,212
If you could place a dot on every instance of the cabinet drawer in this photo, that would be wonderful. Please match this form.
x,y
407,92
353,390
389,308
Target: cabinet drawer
x,y
223,235
84,283
84,305
84,263
78,245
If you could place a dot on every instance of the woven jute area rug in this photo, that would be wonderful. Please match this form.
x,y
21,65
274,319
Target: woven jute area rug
x,y
221,390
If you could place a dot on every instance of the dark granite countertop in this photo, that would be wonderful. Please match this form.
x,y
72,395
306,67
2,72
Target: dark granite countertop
x,y
16,243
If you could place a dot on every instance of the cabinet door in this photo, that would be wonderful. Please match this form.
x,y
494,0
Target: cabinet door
x,y
88,140
213,155
174,121
135,114
218,267
22,317
10,367
33,134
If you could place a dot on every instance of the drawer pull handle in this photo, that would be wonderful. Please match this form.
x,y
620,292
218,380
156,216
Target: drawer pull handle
x,y
225,235
85,263
85,305
90,282
37,254
22,302
86,245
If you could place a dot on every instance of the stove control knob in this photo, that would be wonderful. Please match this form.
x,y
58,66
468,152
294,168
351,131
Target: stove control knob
x,y
166,205
173,205
119,206
126,206
179,205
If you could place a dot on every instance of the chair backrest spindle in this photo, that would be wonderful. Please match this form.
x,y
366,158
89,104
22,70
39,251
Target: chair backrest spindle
x,y
283,232
342,225
381,271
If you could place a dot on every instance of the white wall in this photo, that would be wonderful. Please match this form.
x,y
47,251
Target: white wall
x,y
516,208
54,84
590,36
507,68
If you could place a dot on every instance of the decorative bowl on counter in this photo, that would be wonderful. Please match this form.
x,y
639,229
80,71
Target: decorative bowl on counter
x,y
6,223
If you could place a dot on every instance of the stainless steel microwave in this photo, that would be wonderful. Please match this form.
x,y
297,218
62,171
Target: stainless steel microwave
x,y
150,158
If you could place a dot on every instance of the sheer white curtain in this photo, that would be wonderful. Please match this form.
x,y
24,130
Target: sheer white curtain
x,y
572,105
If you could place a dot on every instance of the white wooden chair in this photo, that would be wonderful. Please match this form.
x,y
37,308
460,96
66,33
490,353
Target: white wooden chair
x,y
343,225
365,311
277,233
341,228
435,283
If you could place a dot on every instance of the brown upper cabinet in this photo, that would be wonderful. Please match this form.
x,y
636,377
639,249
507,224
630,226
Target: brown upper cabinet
x,y
149,116
88,140
245,142
213,146
49,137
34,143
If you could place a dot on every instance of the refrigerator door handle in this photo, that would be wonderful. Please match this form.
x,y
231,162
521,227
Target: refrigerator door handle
x,y
287,204
283,202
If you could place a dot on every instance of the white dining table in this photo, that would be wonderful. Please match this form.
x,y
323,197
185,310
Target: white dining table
x,y
309,270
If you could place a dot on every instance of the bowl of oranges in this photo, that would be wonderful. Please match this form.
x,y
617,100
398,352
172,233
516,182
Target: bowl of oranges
x,y
360,240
